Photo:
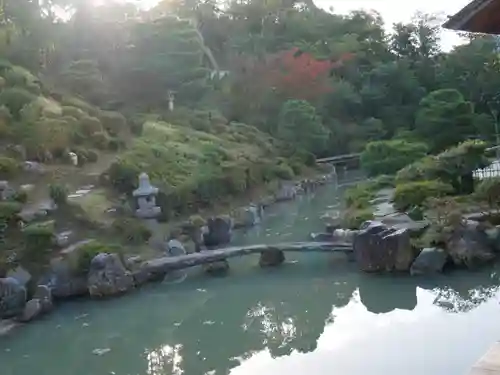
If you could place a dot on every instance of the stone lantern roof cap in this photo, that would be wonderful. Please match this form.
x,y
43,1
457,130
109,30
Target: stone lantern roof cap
x,y
145,188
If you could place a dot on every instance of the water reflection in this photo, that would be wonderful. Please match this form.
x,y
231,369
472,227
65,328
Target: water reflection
x,y
166,360
296,319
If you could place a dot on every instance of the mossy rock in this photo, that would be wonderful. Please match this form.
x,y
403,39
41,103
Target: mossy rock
x,y
82,256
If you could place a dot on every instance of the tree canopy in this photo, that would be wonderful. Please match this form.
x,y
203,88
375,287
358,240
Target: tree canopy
x,y
354,81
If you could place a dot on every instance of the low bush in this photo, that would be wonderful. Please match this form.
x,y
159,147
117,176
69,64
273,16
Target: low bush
x,y
79,103
58,193
74,112
488,191
90,125
353,217
20,196
116,144
414,194
8,167
9,211
14,77
38,242
5,122
113,122
359,196
388,157
88,251
15,99
100,140
132,230
86,155
454,166
283,172
46,136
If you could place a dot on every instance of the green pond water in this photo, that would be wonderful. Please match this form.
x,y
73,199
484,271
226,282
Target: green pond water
x,y
310,316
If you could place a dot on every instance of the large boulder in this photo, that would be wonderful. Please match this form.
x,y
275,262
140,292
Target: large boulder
x,y
470,245
430,261
12,297
494,238
39,305
64,278
64,281
21,275
379,248
175,248
108,276
219,231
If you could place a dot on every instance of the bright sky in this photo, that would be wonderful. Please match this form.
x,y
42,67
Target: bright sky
x,y
402,10
392,10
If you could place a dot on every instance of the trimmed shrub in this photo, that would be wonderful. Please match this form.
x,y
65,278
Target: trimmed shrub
x,y
132,230
113,122
354,217
39,237
100,140
38,244
52,135
9,211
34,88
488,191
79,103
14,77
90,125
283,172
20,196
359,196
73,112
15,99
116,144
416,193
58,193
388,157
8,167
88,251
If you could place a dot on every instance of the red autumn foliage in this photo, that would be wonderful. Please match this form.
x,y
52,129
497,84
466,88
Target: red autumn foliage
x,y
291,74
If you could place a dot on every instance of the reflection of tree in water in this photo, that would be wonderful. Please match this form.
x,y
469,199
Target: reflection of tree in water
x,y
384,293
455,292
166,360
237,323
290,314
454,301
463,294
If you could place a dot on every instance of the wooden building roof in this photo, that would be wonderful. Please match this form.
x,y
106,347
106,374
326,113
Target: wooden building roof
x,y
480,16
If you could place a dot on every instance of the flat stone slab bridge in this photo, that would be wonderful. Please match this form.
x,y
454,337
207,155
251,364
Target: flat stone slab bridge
x,y
166,264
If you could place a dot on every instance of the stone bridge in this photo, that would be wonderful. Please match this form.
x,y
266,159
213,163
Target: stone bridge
x,y
347,160
271,255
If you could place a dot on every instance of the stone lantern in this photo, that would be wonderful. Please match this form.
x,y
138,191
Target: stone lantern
x,y
146,199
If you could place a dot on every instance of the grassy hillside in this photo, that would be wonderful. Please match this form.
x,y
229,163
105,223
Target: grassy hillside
x,y
197,158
